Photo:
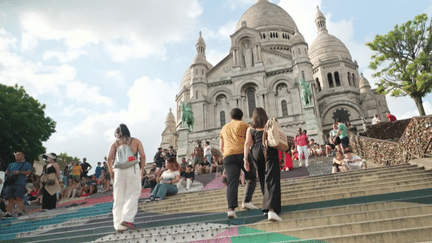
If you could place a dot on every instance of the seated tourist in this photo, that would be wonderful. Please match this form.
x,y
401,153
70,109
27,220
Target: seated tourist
x,y
353,162
167,181
33,196
187,178
319,150
152,179
338,160
203,167
75,190
182,166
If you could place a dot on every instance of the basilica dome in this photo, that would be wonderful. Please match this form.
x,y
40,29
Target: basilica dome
x,y
265,15
326,46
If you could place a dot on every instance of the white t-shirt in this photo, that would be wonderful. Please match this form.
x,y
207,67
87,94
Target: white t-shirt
x,y
169,175
375,120
207,151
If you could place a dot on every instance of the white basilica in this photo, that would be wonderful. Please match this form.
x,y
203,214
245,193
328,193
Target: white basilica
x,y
267,58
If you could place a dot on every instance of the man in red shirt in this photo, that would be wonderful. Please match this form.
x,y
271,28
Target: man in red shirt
x,y
301,141
390,117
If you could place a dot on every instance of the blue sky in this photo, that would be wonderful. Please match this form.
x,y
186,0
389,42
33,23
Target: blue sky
x,y
96,64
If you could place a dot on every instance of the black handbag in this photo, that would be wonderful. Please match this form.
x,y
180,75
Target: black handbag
x,y
13,178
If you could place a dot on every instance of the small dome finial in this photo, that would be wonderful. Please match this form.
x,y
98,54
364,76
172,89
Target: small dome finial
x,y
317,7
200,34
261,1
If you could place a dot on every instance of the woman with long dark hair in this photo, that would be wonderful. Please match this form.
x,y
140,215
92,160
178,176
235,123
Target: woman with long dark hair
x,y
127,181
267,166
50,182
167,181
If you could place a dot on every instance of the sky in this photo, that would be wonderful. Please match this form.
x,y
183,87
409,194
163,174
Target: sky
x,y
96,64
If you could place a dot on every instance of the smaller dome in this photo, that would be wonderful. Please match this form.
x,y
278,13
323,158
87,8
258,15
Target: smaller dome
x,y
170,117
364,85
200,40
298,38
319,14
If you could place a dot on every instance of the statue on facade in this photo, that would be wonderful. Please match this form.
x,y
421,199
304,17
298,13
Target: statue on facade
x,y
187,116
247,55
306,92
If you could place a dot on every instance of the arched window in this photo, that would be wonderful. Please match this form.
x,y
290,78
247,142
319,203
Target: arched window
x,y
284,108
196,71
250,93
337,80
318,84
330,80
222,118
353,79
303,75
196,95
349,79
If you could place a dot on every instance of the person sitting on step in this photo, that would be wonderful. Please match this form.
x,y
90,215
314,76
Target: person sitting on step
x,y
338,160
353,162
167,181
187,178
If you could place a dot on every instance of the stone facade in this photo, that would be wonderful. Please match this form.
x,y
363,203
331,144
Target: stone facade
x,y
267,58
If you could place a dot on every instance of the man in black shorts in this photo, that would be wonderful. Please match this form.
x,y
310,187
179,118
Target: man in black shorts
x,y
330,145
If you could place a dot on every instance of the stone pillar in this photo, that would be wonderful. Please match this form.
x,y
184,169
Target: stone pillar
x,y
182,141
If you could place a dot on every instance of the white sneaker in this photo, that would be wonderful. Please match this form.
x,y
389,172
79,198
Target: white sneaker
x,y
307,164
272,216
300,164
248,205
231,215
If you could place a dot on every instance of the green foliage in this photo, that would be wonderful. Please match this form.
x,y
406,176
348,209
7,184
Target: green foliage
x,y
23,124
405,57
63,159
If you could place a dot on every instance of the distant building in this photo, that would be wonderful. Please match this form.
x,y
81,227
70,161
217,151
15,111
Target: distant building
x,y
267,58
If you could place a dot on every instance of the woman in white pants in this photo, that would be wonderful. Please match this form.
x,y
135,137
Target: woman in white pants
x,y
127,182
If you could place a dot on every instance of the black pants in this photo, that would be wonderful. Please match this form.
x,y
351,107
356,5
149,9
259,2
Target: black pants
x,y
233,165
269,177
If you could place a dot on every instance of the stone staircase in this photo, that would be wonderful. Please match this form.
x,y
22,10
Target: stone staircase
x,y
384,204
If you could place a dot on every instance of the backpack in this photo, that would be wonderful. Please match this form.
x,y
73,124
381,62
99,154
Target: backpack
x,y
274,136
124,157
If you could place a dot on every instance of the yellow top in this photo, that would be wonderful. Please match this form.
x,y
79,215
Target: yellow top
x,y
76,170
233,135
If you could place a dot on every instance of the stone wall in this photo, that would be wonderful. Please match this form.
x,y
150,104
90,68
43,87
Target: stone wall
x,y
387,130
414,142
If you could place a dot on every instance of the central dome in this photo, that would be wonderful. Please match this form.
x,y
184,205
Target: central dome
x,y
264,15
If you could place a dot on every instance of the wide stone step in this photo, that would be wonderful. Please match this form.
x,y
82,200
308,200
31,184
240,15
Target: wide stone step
x,y
290,222
353,190
221,206
305,183
297,188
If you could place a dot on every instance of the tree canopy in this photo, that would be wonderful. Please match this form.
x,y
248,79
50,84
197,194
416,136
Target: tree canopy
x,y
23,124
405,57
64,159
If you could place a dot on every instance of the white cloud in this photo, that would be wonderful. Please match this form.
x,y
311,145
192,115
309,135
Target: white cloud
x,y
148,104
69,56
214,56
429,9
233,4
73,110
303,14
117,76
404,107
35,77
83,93
126,30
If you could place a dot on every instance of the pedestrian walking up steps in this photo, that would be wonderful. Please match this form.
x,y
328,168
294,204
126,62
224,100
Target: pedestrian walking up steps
x,y
386,204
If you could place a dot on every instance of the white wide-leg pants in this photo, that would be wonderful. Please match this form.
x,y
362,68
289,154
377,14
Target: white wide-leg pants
x,y
126,192
303,150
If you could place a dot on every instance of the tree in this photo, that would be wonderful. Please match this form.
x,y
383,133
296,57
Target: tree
x,y
23,124
406,53
63,159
